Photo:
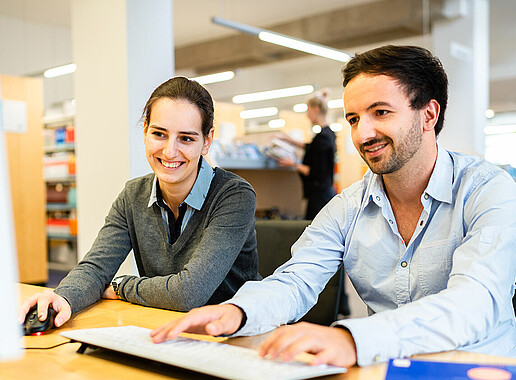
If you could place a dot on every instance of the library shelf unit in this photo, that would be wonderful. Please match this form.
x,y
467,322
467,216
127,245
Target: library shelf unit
x,y
59,175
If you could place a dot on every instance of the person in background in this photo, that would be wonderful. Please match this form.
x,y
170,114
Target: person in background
x,y
427,237
317,167
190,226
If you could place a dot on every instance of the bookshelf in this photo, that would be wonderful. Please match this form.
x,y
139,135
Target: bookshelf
x,y
59,175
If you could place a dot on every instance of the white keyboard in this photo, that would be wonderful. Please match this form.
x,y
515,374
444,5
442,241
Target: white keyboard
x,y
212,358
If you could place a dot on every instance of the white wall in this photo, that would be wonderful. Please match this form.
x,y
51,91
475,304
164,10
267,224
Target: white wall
x,y
27,48
462,44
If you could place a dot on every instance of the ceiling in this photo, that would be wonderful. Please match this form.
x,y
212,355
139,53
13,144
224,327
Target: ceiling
x,y
197,28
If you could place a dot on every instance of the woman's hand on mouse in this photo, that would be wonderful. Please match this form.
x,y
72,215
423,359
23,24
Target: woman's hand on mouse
x,y
44,300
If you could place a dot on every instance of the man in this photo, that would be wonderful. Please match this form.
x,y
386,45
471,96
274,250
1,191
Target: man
x,y
428,237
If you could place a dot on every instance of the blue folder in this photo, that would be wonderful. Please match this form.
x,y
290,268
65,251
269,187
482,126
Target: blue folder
x,y
404,369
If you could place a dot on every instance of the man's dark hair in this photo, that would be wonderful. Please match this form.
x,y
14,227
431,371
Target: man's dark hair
x,y
420,74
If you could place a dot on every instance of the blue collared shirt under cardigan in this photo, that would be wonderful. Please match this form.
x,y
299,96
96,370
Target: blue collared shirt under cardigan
x,y
194,200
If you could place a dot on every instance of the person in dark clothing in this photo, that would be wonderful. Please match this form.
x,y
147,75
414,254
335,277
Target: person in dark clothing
x,y
316,168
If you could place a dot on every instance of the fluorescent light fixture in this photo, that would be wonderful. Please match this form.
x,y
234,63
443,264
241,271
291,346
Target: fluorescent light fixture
x,y
336,127
61,70
490,113
214,78
316,129
276,123
286,41
304,46
273,94
500,129
336,103
258,112
300,107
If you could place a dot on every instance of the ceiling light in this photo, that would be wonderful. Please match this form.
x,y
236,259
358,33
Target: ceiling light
x,y
276,123
336,127
500,129
490,113
304,46
300,107
336,103
214,78
273,94
61,70
286,41
258,112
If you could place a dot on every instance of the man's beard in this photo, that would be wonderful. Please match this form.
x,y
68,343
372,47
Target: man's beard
x,y
400,154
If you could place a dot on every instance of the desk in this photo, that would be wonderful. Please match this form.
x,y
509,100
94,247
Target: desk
x,y
64,363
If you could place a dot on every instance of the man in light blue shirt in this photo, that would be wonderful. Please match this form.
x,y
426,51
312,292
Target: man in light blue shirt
x,y
427,237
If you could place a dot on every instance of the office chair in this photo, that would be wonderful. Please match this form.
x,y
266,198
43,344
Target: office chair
x,y
274,239
514,303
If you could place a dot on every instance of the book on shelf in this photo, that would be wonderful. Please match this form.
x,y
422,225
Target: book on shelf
x,y
59,165
62,226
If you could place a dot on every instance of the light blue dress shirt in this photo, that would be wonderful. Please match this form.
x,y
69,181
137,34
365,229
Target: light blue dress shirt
x,y
449,288
194,200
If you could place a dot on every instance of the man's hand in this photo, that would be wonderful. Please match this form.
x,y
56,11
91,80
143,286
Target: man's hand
x,y
331,345
44,300
211,320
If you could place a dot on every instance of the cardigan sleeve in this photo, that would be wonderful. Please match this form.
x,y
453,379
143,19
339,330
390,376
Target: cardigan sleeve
x,y
86,283
225,236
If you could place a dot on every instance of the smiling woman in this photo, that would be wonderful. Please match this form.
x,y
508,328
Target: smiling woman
x,y
174,143
190,226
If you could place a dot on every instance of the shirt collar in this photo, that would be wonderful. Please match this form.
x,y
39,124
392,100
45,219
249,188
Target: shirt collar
x,y
375,191
199,192
439,186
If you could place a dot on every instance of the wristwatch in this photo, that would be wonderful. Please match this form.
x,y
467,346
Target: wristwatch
x,y
115,283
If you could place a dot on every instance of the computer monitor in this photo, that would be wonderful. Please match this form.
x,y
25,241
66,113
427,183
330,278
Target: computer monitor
x,y
10,330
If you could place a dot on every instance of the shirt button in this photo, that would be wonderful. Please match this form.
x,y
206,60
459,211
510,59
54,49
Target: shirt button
x,y
378,198
390,221
376,358
421,223
426,196
404,264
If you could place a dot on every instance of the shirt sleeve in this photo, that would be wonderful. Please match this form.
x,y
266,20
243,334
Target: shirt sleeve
x,y
86,283
223,238
476,300
294,287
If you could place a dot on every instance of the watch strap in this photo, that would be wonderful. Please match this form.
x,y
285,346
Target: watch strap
x,y
116,285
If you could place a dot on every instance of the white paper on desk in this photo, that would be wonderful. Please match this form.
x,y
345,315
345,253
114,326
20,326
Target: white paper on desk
x,y
14,116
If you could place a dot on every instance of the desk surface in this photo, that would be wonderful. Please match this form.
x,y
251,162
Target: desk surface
x,y
65,363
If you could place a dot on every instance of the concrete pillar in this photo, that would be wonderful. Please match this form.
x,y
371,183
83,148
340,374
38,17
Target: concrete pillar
x,y
462,43
123,49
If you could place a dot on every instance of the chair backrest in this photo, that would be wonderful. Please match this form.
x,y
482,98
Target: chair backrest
x,y
514,303
274,239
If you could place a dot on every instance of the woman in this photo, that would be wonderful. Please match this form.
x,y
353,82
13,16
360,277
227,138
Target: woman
x,y
191,227
317,166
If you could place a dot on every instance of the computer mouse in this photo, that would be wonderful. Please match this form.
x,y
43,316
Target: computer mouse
x,y
33,325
